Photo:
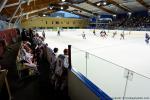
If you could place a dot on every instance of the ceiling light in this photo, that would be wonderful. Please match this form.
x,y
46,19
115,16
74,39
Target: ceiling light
x,y
51,8
61,8
98,4
129,13
114,15
63,0
104,3
44,15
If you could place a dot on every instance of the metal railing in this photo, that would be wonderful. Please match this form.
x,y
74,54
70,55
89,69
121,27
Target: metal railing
x,y
117,81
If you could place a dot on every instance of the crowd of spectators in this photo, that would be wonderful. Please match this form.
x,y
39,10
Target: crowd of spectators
x,y
46,62
135,22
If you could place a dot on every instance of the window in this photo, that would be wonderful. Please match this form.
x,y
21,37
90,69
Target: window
x,y
57,22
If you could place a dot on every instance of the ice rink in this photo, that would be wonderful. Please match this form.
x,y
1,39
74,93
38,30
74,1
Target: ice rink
x,y
131,53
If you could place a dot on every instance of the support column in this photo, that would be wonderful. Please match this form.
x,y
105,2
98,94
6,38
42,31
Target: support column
x,y
15,12
97,21
3,5
20,18
17,19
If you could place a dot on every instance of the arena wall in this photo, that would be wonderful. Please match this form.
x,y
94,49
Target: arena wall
x,y
47,22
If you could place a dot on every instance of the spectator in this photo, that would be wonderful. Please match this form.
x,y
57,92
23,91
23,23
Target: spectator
x,y
43,68
24,35
66,64
55,51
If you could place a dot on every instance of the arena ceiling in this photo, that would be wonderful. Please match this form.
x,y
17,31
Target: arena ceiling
x,y
86,8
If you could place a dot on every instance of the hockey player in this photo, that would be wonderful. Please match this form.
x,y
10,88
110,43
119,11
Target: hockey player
x,y
43,34
83,35
58,33
114,34
94,32
122,36
147,37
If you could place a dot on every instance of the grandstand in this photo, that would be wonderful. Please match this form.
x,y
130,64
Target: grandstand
x,y
74,49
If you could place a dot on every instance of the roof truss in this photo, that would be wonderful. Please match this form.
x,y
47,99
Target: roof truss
x,y
119,6
101,8
77,14
82,9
